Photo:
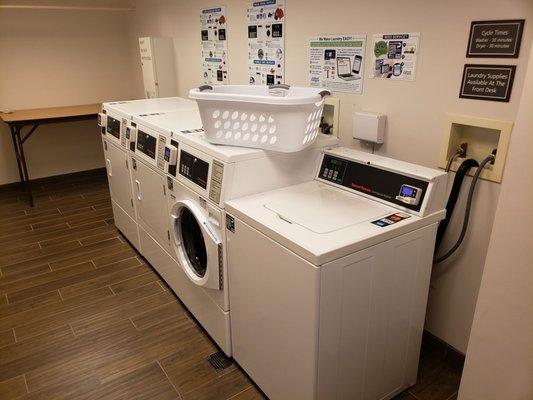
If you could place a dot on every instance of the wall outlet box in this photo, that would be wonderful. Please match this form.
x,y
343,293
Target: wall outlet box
x,y
369,126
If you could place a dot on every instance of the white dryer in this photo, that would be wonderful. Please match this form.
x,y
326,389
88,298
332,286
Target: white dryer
x,y
118,141
329,278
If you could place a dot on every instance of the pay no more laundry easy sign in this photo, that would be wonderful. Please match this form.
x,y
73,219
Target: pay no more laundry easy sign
x,y
487,82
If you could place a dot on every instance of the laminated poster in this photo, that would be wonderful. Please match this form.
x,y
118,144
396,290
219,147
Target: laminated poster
x,y
214,45
395,56
336,62
266,42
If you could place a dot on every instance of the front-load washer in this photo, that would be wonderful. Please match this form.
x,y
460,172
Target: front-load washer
x,y
149,171
206,177
118,142
329,278
201,177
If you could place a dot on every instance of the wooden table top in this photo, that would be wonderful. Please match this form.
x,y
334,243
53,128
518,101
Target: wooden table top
x,y
50,113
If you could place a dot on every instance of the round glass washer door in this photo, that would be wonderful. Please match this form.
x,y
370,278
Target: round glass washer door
x,y
196,244
193,242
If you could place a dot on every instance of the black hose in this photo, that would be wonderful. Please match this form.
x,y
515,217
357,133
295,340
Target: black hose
x,y
463,169
467,210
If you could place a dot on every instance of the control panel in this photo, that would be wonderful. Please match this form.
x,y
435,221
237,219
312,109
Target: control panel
x,y
146,144
194,169
113,127
170,154
392,187
102,122
131,136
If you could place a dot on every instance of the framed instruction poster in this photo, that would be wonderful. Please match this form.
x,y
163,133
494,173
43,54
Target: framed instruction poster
x,y
336,62
266,42
214,45
395,56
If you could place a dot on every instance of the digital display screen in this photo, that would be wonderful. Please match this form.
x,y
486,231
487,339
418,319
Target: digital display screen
x,y
343,66
194,169
167,154
113,127
146,144
408,191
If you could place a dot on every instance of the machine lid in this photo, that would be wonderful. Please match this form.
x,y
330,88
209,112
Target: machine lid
x,y
144,106
322,209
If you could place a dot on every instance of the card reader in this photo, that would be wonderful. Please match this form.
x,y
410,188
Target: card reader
x,y
409,195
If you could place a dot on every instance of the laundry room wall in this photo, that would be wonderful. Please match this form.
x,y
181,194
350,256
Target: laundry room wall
x,y
416,110
58,58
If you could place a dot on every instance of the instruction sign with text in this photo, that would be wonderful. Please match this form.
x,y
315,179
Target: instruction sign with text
x,y
214,45
336,62
266,42
395,56
487,82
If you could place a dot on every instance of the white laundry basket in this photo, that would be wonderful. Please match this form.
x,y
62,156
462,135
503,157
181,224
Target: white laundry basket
x,y
277,117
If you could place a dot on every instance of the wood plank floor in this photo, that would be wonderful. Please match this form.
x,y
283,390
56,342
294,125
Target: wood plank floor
x,y
82,315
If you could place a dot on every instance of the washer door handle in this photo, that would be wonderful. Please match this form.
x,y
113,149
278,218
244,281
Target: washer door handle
x,y
109,170
138,184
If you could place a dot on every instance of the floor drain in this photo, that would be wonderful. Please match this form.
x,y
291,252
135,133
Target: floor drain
x,y
219,361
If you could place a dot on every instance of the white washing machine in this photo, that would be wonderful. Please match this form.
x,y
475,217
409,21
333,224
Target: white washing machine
x,y
118,141
329,278
201,177
149,171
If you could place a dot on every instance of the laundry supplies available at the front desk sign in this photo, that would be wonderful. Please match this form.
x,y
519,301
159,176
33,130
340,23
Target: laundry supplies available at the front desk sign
x,y
336,62
487,82
214,45
266,42
395,56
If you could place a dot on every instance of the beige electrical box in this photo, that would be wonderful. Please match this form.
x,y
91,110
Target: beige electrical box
x,y
482,135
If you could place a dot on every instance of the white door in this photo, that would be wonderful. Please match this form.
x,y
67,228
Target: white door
x,y
150,199
148,68
118,175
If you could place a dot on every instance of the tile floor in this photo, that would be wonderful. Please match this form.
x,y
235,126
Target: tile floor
x,y
82,315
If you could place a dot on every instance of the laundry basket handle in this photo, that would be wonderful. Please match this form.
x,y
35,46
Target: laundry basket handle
x,y
279,86
205,87
325,93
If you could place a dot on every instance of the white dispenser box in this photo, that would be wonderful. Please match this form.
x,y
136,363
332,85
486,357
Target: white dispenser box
x,y
158,67
369,126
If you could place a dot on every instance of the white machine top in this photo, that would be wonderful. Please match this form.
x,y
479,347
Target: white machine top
x,y
127,109
186,126
323,220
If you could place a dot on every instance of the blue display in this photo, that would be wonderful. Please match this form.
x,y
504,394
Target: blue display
x,y
408,191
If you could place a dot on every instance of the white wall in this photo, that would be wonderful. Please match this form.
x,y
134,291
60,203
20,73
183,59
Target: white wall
x,y
416,111
499,362
56,58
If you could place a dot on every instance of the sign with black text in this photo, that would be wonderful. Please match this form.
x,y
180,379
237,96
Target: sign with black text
x,y
495,38
487,82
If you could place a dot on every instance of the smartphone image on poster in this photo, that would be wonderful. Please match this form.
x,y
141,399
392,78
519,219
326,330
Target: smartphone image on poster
x,y
357,61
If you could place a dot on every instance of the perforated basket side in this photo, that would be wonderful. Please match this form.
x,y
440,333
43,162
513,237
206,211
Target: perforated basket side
x,y
280,128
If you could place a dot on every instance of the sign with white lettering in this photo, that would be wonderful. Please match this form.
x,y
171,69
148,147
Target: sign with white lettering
x,y
497,39
487,82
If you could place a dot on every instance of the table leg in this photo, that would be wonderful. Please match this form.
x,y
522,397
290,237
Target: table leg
x,y
15,147
22,159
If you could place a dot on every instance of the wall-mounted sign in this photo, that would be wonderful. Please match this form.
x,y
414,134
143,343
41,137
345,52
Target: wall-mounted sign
x,y
487,82
395,56
496,39
266,42
213,24
336,62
